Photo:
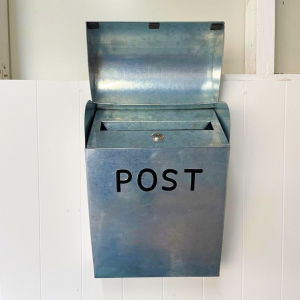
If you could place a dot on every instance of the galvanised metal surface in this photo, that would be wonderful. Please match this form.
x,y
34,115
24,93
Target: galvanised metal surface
x,y
157,148
136,233
134,129
131,64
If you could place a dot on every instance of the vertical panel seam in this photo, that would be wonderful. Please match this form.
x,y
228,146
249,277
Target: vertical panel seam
x,y
283,189
243,192
38,171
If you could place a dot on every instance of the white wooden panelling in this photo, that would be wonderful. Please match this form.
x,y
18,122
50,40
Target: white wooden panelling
x,y
256,174
108,289
263,189
184,288
291,246
143,288
250,36
260,37
265,37
19,208
59,173
229,285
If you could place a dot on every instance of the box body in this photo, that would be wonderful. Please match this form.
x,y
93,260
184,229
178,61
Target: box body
x,y
157,233
157,148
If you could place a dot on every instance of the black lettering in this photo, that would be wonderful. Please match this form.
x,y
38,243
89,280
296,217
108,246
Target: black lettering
x,y
193,175
118,178
139,180
164,175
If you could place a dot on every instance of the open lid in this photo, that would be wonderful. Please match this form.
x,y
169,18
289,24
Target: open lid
x,y
167,63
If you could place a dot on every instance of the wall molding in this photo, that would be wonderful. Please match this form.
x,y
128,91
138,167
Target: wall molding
x,y
4,41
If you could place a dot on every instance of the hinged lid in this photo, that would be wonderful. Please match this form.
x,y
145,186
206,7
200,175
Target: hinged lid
x,y
167,63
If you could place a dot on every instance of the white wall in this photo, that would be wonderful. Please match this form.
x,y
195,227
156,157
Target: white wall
x,y
48,37
45,248
287,48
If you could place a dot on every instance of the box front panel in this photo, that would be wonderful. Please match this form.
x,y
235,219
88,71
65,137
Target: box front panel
x,y
157,212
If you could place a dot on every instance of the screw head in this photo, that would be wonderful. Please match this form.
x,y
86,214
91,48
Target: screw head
x,y
156,137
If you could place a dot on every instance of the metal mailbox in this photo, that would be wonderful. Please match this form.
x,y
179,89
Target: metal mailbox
x,y
157,148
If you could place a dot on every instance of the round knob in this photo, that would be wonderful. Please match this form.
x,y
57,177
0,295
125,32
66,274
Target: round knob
x,y
156,137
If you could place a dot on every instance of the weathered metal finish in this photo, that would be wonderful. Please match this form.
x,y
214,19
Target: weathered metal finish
x,y
157,149
157,233
179,63
134,128
222,111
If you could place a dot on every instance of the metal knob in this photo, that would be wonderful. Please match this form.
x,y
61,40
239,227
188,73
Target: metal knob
x,y
156,137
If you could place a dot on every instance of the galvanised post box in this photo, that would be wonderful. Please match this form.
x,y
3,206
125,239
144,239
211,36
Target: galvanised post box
x,y
157,148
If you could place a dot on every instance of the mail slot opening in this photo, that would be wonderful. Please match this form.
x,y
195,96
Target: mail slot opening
x,y
153,126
